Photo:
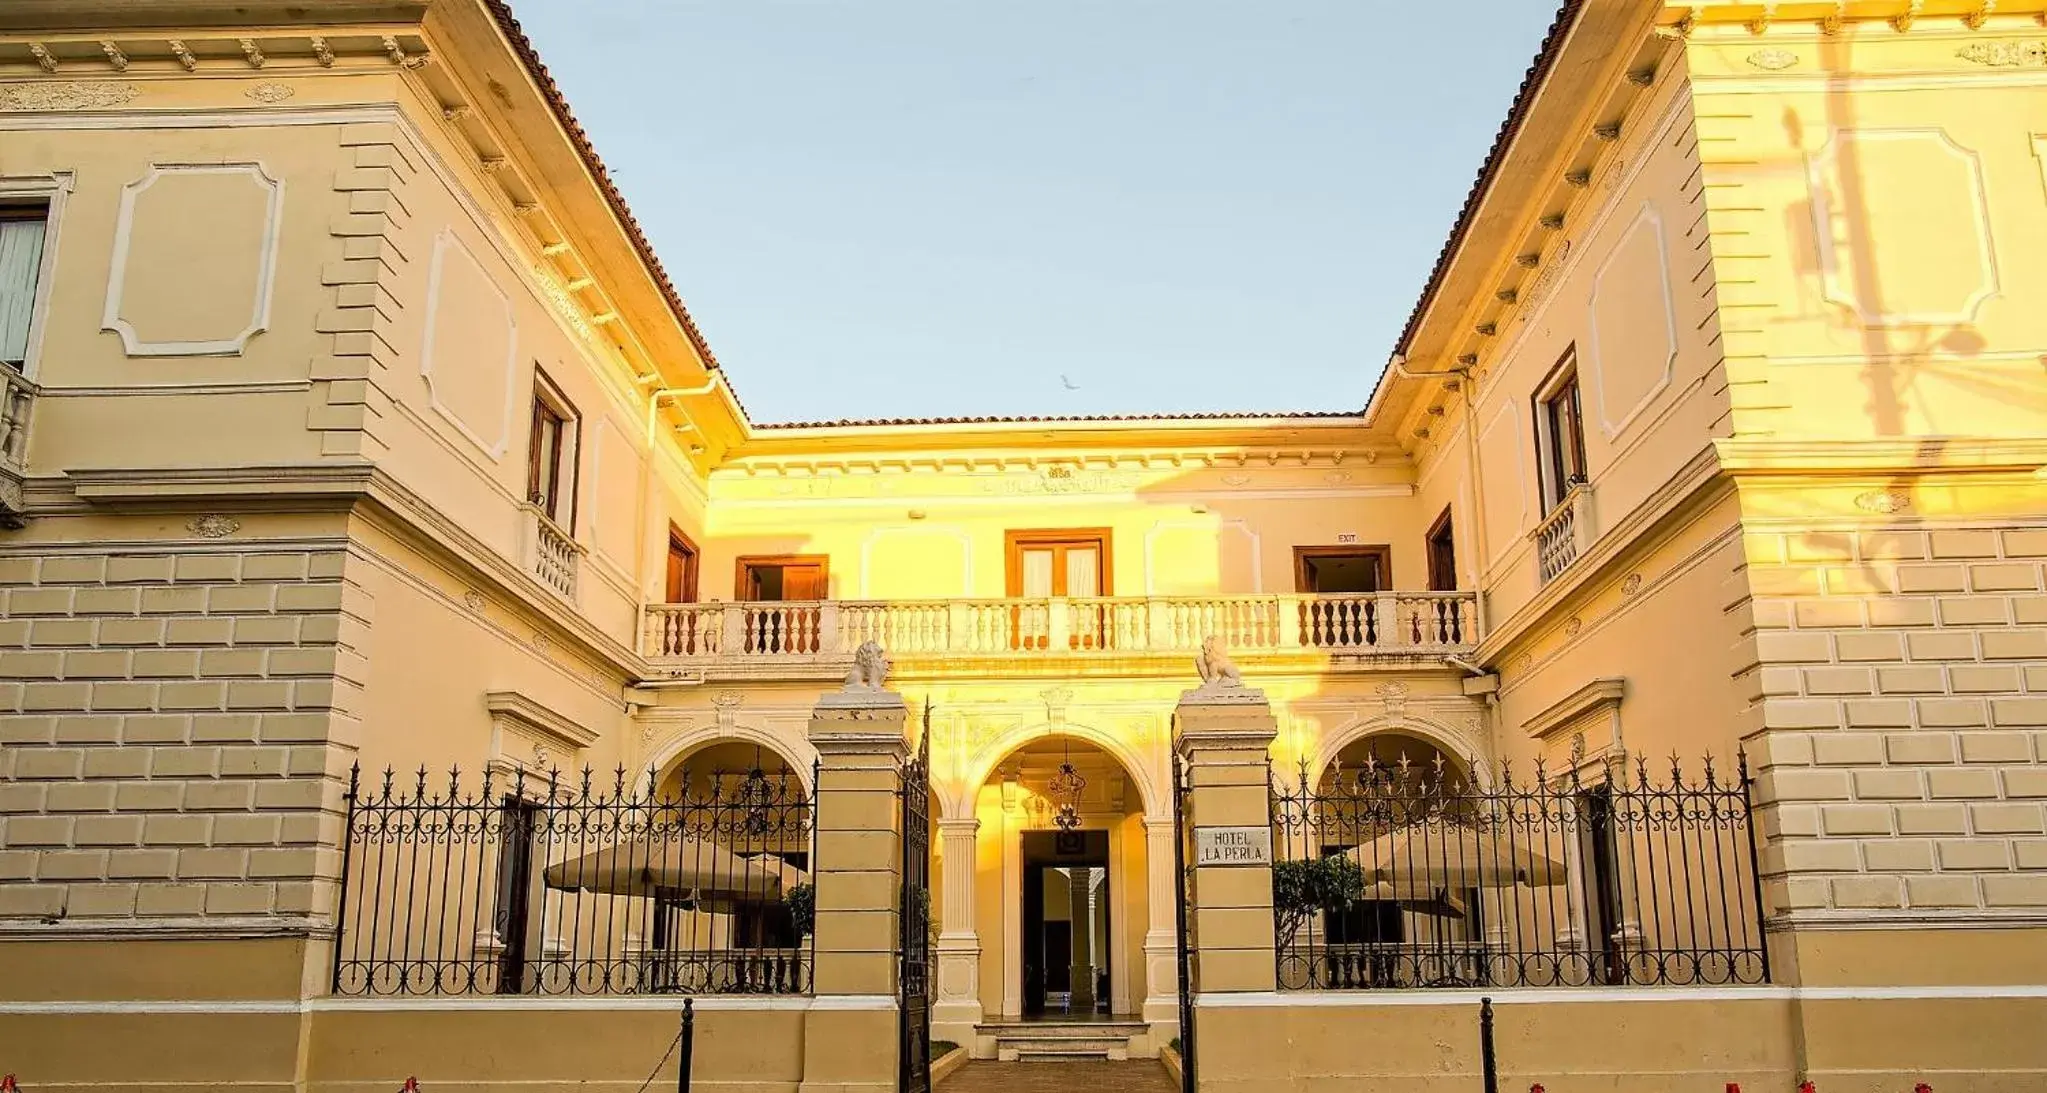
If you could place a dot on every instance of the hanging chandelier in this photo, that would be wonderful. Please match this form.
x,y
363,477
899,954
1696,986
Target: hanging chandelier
x,y
1065,789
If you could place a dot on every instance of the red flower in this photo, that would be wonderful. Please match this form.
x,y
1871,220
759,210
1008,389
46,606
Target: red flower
x,y
1807,1087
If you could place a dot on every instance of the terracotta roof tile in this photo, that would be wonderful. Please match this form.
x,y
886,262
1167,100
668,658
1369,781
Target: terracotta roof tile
x,y
501,11
1531,81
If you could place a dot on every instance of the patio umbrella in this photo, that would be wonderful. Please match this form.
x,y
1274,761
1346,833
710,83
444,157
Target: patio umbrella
x,y
1435,905
1419,861
647,865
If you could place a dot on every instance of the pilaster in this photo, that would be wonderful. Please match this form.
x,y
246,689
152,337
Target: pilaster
x,y
956,1008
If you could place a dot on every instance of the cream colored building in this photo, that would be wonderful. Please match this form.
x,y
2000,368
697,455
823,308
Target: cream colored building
x,y
350,419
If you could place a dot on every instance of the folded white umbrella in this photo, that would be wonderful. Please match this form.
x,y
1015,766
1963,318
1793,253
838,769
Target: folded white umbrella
x,y
1417,861
647,864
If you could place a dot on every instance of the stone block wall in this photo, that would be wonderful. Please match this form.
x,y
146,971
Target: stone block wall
x,y
1897,688
175,726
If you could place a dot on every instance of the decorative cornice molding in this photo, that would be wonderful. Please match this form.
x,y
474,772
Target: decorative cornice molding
x,y
530,714
338,487
1691,489
1751,457
2007,54
69,95
1599,696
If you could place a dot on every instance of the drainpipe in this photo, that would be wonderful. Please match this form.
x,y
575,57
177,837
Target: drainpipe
x,y
654,400
1397,364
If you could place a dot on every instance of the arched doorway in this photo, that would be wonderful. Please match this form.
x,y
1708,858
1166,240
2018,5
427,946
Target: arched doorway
x,y
737,813
1357,900
1060,834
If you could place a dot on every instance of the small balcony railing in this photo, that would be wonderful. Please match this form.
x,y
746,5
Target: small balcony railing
x,y
1411,623
1564,533
550,553
17,403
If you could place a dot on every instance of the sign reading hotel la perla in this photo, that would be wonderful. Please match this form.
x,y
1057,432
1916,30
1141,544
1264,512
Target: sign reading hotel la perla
x,y
1232,846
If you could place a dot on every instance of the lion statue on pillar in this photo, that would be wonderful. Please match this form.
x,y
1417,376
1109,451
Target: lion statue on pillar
x,y
870,668
1215,665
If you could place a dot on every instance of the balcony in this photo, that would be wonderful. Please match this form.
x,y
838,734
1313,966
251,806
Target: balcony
x,y
1564,534
550,553
17,400
746,637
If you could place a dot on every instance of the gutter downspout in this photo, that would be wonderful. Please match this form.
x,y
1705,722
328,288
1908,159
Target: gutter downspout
x,y
1397,366
654,400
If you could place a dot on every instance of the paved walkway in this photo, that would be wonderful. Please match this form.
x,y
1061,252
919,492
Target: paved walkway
x,y
1135,1076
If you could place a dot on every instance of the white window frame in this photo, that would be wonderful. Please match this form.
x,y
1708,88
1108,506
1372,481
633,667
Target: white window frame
x,y
50,191
1555,494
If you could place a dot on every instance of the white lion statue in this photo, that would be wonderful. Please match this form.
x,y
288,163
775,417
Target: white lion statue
x,y
1215,665
870,668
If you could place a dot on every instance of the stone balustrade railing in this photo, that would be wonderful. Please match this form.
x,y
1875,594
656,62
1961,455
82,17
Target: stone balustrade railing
x,y
17,402
1394,623
551,554
1564,533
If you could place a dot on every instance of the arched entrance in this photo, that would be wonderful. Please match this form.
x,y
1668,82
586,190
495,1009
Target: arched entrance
x,y
1060,919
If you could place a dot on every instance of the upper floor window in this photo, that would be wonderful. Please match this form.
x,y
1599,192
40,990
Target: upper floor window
x,y
1064,562
551,458
1560,433
22,230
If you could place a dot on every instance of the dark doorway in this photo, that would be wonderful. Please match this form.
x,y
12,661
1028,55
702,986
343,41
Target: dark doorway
x,y
682,567
1066,965
1442,555
1339,569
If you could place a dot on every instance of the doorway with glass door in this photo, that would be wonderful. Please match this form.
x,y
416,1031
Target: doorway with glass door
x,y
1058,578
1066,924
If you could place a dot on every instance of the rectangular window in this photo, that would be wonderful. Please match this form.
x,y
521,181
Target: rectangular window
x,y
22,230
1058,563
1560,429
1073,563
551,457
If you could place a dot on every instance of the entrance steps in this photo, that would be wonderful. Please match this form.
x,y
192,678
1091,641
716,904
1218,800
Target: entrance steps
x,y
1055,1040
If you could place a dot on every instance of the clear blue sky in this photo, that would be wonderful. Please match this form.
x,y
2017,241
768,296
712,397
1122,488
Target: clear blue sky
x,y
939,207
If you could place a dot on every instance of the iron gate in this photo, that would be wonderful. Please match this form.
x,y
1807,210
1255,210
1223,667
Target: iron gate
x,y
913,1067
1183,936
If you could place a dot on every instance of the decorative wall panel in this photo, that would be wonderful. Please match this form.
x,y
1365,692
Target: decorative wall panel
x,y
1631,323
195,253
1903,226
470,356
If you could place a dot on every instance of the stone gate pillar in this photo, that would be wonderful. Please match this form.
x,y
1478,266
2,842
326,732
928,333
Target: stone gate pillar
x,y
850,1034
1224,732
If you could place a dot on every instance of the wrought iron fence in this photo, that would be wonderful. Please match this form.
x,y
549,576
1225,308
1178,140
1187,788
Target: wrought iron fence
x,y
1395,876
531,885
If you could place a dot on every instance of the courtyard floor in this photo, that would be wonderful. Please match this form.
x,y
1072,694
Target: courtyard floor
x,y
1135,1076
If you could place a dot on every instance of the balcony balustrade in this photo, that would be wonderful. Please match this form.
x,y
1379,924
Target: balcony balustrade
x,y
764,633
550,553
17,401
1564,534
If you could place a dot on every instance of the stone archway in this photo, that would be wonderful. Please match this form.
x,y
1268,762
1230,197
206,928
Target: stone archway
x,y
1460,750
678,750
1001,818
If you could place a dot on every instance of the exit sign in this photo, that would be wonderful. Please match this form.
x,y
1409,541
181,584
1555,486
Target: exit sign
x,y
1346,536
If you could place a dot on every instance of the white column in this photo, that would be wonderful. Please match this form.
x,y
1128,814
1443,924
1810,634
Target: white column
x,y
1161,952
957,1008
1080,919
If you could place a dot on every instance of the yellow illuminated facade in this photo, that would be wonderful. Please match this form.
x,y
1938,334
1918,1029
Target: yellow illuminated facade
x,y
349,419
